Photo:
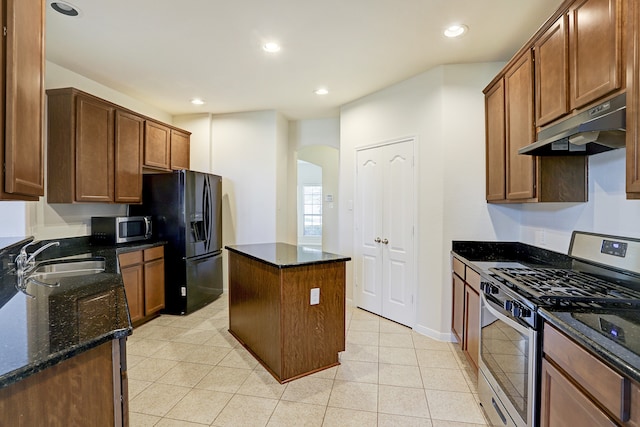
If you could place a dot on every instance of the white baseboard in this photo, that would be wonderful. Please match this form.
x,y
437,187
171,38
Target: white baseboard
x,y
431,333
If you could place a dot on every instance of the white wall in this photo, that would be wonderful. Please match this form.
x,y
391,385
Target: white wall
x,y
283,213
318,141
244,154
200,143
13,219
444,109
607,211
310,132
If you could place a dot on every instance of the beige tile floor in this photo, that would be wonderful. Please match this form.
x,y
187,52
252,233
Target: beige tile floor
x,y
189,371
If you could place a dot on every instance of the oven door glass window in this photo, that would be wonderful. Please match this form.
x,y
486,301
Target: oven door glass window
x,y
506,352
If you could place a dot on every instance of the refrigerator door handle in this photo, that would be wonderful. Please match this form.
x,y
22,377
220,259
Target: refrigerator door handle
x,y
207,213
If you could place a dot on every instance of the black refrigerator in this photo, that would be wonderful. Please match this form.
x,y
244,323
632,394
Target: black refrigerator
x,y
186,211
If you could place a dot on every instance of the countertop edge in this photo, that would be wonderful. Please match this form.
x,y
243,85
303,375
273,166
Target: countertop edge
x,y
339,258
56,358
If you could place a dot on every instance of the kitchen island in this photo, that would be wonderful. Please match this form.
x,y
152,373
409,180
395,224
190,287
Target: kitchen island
x,y
287,306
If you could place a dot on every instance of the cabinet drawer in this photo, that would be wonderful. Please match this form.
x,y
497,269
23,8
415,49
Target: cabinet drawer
x,y
130,258
609,388
473,279
153,253
458,267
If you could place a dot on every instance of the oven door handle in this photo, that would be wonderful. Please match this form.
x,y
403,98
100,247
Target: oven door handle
x,y
490,306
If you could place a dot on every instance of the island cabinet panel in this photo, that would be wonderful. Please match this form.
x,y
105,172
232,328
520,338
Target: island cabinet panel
x,y
84,390
254,309
312,335
271,314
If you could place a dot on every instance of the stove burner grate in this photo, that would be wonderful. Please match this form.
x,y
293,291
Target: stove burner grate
x,y
561,286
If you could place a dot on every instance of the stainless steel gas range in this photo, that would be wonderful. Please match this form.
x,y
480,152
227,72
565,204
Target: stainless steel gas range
x,y
605,273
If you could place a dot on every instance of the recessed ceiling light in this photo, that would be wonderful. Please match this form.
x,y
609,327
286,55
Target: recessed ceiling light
x,y
321,91
65,8
455,30
197,101
271,47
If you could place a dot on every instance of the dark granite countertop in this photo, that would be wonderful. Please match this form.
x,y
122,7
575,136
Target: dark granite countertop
x,y
612,334
476,253
283,255
61,322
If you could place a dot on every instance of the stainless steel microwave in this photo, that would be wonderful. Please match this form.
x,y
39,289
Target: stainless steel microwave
x,y
120,229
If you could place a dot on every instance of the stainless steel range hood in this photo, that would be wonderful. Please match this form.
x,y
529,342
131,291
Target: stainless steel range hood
x,y
601,128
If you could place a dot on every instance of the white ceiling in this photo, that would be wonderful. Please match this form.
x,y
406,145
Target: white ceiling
x,y
167,52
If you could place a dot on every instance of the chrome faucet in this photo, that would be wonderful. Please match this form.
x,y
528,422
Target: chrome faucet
x,y
25,262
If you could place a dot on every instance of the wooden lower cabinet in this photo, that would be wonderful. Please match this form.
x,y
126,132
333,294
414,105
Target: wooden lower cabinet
x,y
89,389
579,389
472,324
563,404
465,318
457,313
143,276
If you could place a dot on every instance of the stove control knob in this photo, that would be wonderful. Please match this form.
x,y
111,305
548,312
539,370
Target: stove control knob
x,y
488,288
519,311
516,310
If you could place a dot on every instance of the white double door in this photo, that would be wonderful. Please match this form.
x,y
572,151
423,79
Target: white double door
x,y
384,221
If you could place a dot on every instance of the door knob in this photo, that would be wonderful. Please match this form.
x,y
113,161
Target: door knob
x,y
377,240
385,241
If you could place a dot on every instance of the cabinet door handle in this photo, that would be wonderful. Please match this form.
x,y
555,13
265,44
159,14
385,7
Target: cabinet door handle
x,y
385,241
377,240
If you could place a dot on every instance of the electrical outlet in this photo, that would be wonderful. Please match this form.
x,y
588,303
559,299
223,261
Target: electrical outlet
x,y
315,296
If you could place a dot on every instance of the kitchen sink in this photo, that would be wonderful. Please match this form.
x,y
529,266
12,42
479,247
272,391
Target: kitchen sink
x,y
66,268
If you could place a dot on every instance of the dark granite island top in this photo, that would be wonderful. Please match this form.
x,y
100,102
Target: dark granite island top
x,y
284,255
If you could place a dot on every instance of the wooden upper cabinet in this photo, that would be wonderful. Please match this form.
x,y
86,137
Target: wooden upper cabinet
x,y
633,101
552,72
157,146
595,43
521,171
179,149
129,139
495,141
97,149
23,91
94,150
